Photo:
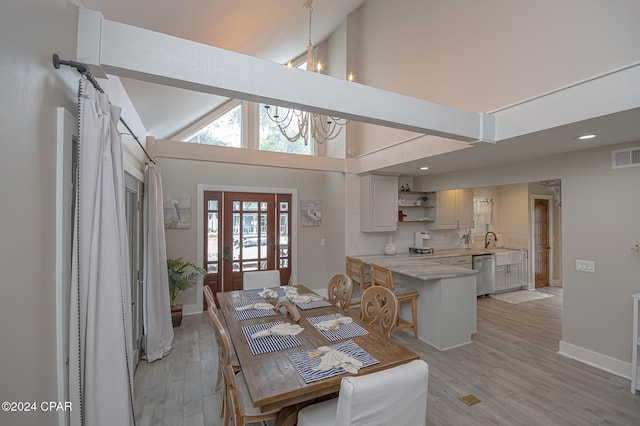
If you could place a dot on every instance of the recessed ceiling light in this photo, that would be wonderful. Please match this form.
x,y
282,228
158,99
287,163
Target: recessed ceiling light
x,y
585,137
424,168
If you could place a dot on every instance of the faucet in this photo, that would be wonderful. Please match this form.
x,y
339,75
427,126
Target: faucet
x,y
486,238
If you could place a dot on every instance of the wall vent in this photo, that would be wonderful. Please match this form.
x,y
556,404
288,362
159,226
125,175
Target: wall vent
x,y
621,158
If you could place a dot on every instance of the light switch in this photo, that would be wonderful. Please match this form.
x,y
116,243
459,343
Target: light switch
x,y
322,241
585,265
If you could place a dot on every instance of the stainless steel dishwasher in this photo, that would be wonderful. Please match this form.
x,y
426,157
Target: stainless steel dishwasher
x,y
485,264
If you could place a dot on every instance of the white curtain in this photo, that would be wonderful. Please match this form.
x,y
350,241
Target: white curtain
x,y
100,353
157,307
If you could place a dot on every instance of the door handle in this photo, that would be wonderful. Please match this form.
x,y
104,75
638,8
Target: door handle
x,y
226,252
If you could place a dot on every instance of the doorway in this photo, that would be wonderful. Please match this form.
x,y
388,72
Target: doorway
x,y
245,231
133,209
542,239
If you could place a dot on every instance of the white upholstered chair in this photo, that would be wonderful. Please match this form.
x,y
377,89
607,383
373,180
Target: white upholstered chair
x,y
260,279
397,396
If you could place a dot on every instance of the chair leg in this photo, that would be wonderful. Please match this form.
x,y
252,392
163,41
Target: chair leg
x,y
414,314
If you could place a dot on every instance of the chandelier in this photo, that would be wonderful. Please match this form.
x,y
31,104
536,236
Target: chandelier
x,y
295,124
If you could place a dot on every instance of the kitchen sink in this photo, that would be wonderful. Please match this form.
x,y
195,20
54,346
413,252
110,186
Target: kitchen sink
x,y
508,257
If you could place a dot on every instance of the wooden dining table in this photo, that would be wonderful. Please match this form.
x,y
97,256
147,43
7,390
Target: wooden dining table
x,y
272,379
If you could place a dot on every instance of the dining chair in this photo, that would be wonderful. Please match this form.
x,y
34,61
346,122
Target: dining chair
x,y
252,280
396,396
208,294
361,280
381,276
240,405
339,291
379,305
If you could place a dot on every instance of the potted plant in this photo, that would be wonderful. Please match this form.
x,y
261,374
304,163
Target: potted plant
x,y
182,275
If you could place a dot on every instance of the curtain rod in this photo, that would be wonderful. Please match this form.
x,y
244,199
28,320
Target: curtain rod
x,y
85,71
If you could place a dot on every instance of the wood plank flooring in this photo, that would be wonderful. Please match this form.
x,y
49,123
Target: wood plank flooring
x,y
512,366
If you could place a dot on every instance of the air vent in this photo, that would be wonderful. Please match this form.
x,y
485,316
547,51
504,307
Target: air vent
x,y
622,158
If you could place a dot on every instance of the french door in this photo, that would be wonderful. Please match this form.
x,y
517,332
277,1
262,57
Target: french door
x,y
245,232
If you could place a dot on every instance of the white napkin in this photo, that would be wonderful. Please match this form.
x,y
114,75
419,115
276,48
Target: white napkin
x,y
291,293
255,306
307,298
279,330
335,359
333,324
268,293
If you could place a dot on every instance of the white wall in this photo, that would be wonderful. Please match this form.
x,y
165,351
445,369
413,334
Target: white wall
x,y
315,263
30,32
484,55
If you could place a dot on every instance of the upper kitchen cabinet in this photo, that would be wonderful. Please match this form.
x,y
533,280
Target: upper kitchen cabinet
x,y
454,209
378,203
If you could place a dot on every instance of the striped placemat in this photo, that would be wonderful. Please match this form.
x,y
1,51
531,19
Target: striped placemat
x,y
263,345
304,365
346,331
251,313
254,294
312,305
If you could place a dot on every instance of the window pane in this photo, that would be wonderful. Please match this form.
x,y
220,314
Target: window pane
x,y
212,268
284,206
212,205
226,130
250,206
271,139
284,263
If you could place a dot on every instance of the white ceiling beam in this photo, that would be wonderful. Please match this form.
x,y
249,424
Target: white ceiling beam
x,y
127,51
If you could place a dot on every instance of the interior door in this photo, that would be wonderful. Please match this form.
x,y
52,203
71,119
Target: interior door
x,y
542,245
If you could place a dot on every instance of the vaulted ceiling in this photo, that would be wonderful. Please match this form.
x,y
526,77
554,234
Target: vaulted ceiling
x,y
276,30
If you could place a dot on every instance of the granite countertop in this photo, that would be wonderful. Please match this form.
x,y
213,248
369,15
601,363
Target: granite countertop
x,y
417,266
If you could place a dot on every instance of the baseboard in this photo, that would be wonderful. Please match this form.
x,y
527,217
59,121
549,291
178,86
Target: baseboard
x,y
597,360
191,309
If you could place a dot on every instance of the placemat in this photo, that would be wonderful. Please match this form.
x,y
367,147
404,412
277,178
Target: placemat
x,y
263,345
304,365
254,294
312,305
251,313
346,331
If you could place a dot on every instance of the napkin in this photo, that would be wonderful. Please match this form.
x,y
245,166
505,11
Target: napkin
x,y
335,359
268,293
307,299
279,330
333,324
255,306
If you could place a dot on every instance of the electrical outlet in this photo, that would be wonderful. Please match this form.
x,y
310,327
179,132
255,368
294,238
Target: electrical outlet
x,y
585,265
322,241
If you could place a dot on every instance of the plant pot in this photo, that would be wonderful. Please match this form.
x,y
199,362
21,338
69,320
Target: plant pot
x,y
176,315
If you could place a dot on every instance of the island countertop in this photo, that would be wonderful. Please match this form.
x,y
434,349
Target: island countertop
x,y
416,266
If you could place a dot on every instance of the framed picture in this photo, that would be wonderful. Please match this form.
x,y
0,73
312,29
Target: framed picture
x,y
177,211
310,212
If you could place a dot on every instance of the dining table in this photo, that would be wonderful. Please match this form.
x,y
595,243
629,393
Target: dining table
x,y
280,376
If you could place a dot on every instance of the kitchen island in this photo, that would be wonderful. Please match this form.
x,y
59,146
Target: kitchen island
x,y
447,297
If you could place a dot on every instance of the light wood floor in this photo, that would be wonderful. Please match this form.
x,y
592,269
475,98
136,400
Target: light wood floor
x,y
512,366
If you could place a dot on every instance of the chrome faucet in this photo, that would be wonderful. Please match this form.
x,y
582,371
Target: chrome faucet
x,y
486,238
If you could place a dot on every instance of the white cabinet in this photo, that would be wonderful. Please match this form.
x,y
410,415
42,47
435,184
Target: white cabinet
x,y
510,276
378,203
454,209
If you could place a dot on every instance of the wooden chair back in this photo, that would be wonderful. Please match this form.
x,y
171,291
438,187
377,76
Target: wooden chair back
x,y
224,358
339,291
379,305
208,294
381,276
355,271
